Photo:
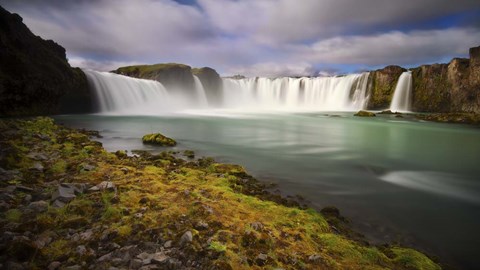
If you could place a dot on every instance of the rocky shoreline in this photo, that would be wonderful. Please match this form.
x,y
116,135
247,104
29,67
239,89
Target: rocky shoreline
x,y
66,203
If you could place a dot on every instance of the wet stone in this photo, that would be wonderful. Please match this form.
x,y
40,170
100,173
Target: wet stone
x,y
104,185
54,265
187,237
261,259
38,206
136,263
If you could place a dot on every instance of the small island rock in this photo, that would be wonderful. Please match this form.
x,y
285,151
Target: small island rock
x,y
364,114
158,139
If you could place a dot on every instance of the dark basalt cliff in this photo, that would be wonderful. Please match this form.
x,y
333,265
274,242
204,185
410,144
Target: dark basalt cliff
x,y
35,77
212,83
452,87
171,75
178,77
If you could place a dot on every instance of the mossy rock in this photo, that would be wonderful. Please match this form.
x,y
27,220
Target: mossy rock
x,y
364,114
158,139
189,153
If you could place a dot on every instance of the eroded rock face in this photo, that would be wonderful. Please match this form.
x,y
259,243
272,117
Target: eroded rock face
x,y
452,87
212,83
35,77
382,84
171,75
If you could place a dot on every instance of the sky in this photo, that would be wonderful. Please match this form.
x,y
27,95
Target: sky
x,y
256,37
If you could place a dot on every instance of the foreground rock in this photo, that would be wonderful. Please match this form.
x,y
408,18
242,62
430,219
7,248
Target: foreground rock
x,y
158,139
159,212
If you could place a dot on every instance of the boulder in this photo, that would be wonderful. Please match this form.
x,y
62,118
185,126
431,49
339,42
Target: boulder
x,y
158,139
67,191
364,114
186,238
38,206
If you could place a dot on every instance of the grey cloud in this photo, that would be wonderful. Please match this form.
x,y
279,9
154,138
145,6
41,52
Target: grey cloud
x,y
393,47
117,28
273,69
269,37
272,21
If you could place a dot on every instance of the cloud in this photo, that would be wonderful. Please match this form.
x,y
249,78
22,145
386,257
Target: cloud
x,y
396,47
120,28
98,65
272,21
268,37
273,70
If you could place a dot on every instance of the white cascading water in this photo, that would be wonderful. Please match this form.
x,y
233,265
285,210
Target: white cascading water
x,y
402,97
117,94
347,93
200,92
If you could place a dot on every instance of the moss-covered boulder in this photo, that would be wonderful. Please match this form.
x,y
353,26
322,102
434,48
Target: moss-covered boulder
x,y
365,114
158,139
35,77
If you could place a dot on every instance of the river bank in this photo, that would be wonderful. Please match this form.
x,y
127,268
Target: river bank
x,y
66,202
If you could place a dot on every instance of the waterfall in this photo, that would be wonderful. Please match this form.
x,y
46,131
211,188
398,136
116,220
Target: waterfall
x,y
402,97
118,94
200,91
347,93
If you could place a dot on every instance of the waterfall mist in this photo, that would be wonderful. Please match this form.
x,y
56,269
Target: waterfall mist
x,y
402,97
117,94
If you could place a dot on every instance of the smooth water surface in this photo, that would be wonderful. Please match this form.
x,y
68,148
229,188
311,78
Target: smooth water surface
x,y
396,179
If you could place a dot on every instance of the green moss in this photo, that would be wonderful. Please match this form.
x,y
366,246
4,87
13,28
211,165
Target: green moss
x,y
158,139
57,249
172,199
217,246
142,70
412,259
59,167
13,215
189,153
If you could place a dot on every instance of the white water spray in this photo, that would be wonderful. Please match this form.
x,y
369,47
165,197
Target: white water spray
x,y
402,97
200,91
117,94
348,93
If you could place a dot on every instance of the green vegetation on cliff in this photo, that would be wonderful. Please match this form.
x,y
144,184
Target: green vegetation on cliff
x,y
143,71
66,202
382,84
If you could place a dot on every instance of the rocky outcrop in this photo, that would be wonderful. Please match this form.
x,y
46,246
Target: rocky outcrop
x,y
179,77
382,84
452,87
171,75
212,83
35,77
